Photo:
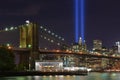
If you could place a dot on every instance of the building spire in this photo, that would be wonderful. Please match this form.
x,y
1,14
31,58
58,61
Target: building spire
x,y
80,41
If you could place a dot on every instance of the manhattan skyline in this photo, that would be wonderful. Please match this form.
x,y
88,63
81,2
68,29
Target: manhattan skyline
x,y
102,19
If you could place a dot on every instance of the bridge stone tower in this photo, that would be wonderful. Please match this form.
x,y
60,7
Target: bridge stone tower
x,y
29,36
29,39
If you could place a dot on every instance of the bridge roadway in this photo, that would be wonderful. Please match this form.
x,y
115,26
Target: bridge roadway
x,y
84,54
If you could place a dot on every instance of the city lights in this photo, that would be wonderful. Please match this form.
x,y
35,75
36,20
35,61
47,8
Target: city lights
x,y
99,54
30,51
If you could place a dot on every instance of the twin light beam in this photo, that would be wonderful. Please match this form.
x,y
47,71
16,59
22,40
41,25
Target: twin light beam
x,y
79,19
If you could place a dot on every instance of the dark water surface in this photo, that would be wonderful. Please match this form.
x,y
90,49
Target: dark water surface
x,y
90,76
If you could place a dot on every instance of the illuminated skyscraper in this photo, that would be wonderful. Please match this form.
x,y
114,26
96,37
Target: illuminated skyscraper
x,y
97,45
118,46
80,46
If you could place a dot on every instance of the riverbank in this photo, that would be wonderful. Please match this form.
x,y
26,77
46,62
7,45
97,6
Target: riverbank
x,y
38,73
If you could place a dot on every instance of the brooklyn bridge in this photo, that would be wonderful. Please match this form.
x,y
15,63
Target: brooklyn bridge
x,y
32,57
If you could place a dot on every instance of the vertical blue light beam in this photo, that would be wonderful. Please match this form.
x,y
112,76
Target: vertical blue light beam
x,y
76,21
82,19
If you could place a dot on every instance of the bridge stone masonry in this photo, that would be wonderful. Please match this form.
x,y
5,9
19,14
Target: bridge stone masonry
x,y
29,40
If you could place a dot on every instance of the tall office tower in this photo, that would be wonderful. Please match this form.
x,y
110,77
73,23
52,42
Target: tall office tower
x,y
80,41
84,46
29,36
97,45
80,46
118,46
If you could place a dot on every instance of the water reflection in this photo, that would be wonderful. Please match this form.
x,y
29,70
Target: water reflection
x,y
91,76
61,77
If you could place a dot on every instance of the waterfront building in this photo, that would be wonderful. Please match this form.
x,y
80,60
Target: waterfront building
x,y
48,65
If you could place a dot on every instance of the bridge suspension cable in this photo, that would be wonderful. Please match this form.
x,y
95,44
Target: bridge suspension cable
x,y
45,34
52,37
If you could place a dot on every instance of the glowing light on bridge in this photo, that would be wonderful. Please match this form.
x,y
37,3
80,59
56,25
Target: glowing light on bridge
x,y
6,29
9,29
27,21
51,33
79,19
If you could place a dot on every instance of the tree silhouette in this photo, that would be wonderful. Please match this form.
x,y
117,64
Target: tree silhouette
x,y
6,59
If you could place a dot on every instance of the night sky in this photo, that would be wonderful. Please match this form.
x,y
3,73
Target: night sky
x,y
102,18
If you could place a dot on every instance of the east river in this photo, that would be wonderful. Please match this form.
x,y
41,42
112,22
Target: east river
x,y
90,76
